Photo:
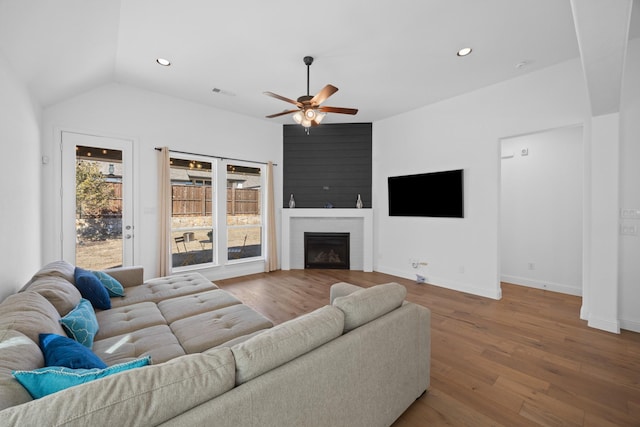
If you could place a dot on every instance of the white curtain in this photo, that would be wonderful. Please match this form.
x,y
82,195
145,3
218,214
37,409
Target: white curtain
x,y
164,212
271,261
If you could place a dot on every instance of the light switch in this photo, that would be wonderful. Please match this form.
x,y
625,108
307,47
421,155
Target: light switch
x,y
630,213
628,230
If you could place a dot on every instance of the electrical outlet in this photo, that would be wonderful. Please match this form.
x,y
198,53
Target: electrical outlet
x,y
628,230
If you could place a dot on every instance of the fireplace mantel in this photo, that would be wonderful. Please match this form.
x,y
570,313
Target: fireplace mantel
x,y
360,216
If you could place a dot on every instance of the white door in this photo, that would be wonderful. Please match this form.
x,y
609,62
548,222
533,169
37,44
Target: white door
x,y
97,203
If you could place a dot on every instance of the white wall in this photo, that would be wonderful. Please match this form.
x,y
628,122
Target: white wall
x,y
629,274
153,120
464,132
541,210
20,255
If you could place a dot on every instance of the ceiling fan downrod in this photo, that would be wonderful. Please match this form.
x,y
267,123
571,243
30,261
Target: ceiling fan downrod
x,y
308,60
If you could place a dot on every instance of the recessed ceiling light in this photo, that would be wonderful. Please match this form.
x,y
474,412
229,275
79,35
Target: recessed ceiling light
x,y
464,51
163,62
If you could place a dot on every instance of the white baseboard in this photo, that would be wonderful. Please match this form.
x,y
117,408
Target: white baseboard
x,y
236,269
609,325
630,325
541,284
444,283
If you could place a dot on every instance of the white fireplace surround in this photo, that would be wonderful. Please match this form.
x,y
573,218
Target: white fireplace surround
x,y
357,222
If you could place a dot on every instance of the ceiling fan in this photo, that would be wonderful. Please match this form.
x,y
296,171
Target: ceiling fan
x,y
309,112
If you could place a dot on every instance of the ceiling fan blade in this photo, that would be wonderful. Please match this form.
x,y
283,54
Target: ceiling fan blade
x,y
325,93
282,98
338,110
281,114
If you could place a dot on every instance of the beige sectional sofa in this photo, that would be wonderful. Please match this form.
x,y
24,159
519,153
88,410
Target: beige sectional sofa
x,y
359,361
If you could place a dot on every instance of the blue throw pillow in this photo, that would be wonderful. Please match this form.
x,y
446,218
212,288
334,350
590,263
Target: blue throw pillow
x,y
113,287
44,381
81,323
63,351
92,289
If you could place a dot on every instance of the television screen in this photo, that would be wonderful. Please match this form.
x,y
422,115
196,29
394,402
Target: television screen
x,y
435,194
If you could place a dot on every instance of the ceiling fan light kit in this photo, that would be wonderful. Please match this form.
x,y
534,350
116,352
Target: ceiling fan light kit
x,y
309,112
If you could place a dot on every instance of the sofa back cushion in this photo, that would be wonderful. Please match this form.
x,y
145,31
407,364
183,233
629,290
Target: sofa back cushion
x,y
58,291
285,342
57,269
30,313
17,352
342,289
365,305
143,396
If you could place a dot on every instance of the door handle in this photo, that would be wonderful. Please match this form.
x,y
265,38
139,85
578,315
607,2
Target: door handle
x,y
128,236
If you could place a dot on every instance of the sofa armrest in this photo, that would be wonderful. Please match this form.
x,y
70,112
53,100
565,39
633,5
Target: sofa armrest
x,y
127,276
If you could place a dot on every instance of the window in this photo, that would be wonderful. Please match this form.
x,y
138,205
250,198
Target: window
x,y
244,211
200,195
192,212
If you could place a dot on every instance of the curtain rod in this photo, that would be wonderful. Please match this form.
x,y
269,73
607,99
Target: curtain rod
x,y
215,157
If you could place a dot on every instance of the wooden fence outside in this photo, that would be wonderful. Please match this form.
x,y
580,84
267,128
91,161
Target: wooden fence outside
x,y
192,200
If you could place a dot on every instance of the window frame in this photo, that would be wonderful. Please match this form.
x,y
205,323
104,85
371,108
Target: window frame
x,y
198,182
223,223
219,175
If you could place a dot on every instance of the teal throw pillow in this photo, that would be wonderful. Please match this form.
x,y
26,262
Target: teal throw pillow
x,y
81,323
63,351
44,381
92,289
113,287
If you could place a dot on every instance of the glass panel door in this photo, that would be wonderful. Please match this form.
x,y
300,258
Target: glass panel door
x,y
98,230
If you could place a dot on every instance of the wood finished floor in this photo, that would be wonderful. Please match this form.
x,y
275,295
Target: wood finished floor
x,y
526,360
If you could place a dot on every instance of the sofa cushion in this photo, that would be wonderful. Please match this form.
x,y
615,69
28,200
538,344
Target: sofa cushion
x,y
155,341
51,379
58,291
206,330
30,313
81,323
145,396
128,318
63,351
163,288
54,269
189,305
17,352
92,289
285,342
113,287
367,304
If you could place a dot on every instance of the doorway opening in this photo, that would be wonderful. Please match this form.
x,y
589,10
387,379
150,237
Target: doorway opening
x,y
541,209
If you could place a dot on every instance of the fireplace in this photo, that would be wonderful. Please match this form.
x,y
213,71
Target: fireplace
x,y
326,250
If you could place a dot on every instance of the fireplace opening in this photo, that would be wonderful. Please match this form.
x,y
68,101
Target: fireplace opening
x,y
326,250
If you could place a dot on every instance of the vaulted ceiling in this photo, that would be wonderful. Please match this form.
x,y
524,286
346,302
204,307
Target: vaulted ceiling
x,y
385,57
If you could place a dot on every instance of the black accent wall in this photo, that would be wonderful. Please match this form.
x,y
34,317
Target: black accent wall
x,y
332,164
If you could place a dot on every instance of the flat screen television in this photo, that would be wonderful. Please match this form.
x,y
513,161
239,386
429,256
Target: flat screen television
x,y
435,194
